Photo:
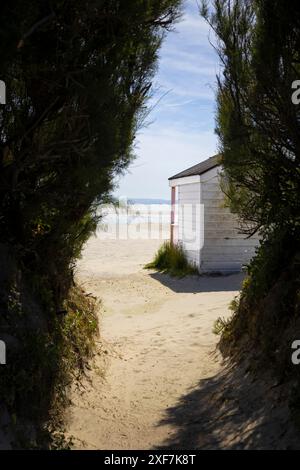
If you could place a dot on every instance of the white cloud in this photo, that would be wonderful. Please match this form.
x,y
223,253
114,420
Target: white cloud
x,y
187,67
193,89
182,132
161,155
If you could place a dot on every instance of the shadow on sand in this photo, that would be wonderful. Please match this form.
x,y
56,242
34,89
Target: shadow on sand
x,y
196,284
231,411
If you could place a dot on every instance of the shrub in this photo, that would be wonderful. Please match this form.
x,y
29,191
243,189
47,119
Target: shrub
x,y
43,363
172,259
266,314
67,131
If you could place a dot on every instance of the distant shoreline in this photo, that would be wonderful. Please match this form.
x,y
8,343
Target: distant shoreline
x,y
132,201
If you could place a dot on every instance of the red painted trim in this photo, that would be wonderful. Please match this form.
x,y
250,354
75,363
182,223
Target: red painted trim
x,y
173,202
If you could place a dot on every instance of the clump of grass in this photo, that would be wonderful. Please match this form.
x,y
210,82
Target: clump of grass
x,y
44,365
76,333
171,259
222,326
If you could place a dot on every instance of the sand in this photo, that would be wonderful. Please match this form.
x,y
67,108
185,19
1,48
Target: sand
x,y
157,380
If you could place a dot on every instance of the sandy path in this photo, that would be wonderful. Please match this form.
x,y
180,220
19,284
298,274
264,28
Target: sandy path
x,y
158,343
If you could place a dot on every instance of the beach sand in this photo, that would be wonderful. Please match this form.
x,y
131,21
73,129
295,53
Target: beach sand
x,y
157,380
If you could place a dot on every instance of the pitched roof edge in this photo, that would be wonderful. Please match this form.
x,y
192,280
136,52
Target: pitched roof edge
x,y
200,168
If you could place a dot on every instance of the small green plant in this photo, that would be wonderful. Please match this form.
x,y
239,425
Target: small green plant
x,y
221,326
234,304
43,363
172,259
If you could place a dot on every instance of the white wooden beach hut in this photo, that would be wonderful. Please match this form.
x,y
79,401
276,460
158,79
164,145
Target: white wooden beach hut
x,y
200,222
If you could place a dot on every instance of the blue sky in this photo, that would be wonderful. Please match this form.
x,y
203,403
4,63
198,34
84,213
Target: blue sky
x,y
180,132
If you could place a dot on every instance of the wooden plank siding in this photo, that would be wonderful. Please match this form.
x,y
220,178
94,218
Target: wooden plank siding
x,y
223,248
188,199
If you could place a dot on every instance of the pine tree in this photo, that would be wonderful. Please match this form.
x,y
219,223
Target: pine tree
x,y
258,124
78,75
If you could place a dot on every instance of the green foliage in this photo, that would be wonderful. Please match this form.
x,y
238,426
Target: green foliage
x,y
259,126
172,259
257,123
35,382
78,77
266,316
221,326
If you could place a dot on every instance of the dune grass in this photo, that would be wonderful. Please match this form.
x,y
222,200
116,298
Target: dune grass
x,y
171,259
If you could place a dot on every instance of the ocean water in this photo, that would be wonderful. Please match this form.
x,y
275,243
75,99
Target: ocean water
x,y
135,221
136,214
